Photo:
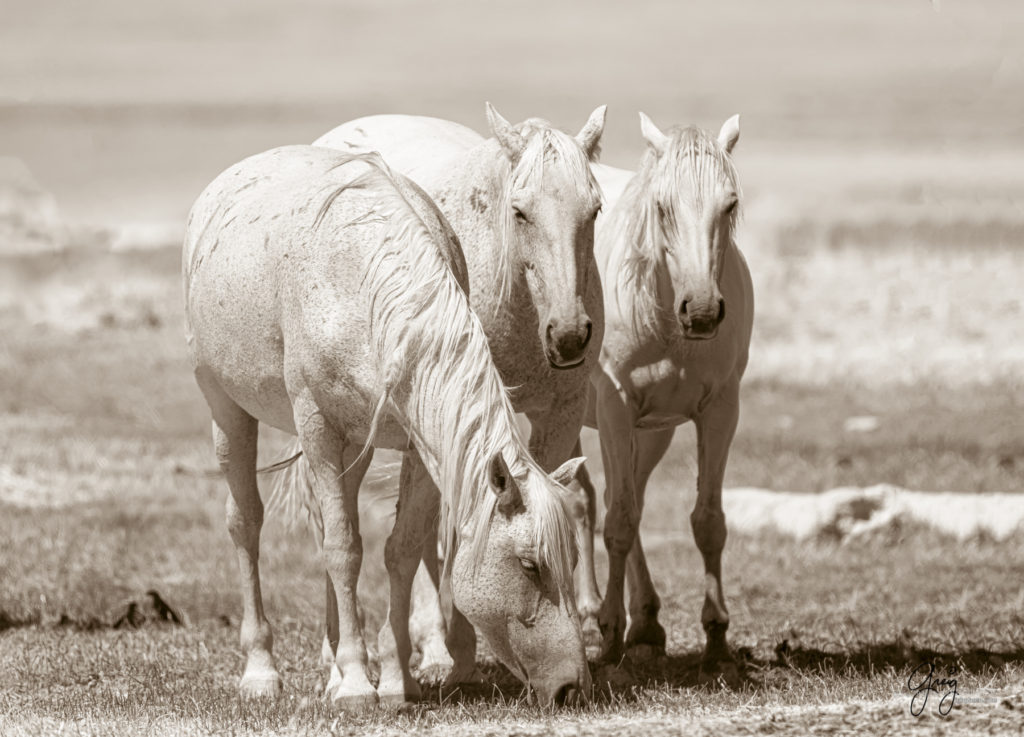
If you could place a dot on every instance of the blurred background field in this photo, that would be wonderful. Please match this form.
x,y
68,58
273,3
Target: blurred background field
x,y
882,158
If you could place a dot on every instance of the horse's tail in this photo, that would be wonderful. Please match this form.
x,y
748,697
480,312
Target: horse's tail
x,y
292,494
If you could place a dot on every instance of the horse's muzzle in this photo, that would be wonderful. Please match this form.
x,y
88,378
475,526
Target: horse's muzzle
x,y
567,349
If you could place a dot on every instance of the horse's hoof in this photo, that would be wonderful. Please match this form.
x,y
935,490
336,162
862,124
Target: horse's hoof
x,y
354,694
722,673
260,685
434,670
397,700
643,652
355,703
613,678
464,677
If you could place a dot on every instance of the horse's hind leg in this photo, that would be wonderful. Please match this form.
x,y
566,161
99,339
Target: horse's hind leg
x,y
337,471
234,439
716,426
645,633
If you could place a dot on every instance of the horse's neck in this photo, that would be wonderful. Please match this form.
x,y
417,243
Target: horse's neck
x,y
441,398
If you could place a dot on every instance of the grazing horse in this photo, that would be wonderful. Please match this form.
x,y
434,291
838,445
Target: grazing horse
x,y
679,309
523,204
325,296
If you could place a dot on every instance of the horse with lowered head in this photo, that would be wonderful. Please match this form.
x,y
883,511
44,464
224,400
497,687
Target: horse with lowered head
x,y
326,296
523,203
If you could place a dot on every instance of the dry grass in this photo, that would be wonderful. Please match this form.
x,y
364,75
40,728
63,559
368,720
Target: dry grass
x,y
105,441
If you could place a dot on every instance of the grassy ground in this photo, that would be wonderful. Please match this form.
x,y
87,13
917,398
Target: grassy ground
x,y
104,445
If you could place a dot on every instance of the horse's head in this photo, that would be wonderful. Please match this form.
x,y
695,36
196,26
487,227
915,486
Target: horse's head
x,y
513,581
693,201
549,204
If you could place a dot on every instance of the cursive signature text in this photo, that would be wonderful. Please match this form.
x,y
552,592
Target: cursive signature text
x,y
923,681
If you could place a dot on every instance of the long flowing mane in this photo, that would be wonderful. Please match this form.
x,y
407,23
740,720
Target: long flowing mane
x,y
545,146
684,175
440,378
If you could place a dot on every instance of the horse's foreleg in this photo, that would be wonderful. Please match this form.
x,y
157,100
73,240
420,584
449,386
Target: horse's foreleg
x,y
418,502
426,623
461,637
622,518
336,485
644,630
588,598
716,426
234,439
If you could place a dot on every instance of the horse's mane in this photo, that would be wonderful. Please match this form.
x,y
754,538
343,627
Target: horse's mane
x,y
686,173
545,144
440,377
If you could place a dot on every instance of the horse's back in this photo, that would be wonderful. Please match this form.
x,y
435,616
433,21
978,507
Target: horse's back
x,y
261,272
412,144
612,181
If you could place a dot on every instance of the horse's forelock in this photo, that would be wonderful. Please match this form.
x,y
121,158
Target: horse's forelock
x,y
692,162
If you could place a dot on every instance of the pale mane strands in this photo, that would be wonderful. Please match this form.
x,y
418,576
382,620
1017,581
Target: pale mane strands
x,y
441,377
544,144
686,174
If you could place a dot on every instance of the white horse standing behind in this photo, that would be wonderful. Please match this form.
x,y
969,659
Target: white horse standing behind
x,y
329,306
679,307
523,204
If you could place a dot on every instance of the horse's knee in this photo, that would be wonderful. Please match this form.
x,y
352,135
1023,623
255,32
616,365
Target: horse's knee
x,y
619,535
709,530
402,551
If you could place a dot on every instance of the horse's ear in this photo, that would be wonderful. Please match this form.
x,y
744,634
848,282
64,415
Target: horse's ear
x,y
729,134
510,500
589,136
510,140
566,473
651,133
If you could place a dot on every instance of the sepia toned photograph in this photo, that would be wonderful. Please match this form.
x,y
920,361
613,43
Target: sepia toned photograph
x,y
394,367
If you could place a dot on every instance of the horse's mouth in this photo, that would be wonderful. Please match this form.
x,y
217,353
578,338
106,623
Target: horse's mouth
x,y
691,335
566,366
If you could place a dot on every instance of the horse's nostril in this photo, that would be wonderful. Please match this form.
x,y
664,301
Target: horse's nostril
x,y
721,310
590,329
682,307
567,695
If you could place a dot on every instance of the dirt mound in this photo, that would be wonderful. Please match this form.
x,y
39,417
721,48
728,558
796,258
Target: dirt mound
x,y
29,218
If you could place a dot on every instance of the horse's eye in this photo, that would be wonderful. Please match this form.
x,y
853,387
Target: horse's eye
x,y
731,207
520,215
597,211
529,566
